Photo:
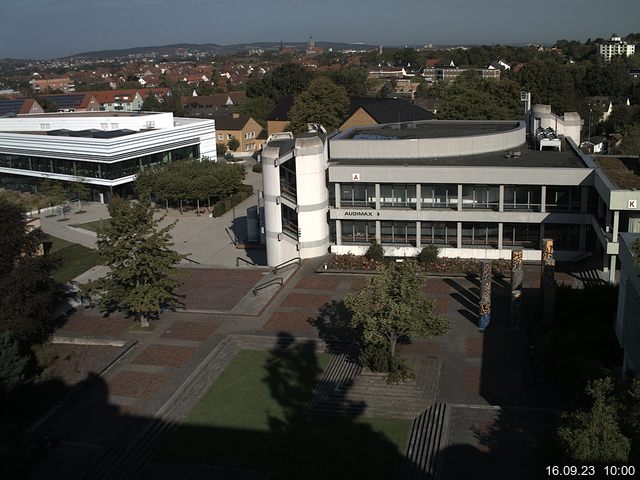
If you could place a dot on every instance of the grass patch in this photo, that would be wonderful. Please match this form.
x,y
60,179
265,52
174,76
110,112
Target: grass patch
x,y
95,225
254,417
73,259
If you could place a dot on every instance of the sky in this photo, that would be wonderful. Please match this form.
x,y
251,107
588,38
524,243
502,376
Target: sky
x,y
55,28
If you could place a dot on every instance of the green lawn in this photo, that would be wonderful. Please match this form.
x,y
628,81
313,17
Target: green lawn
x,y
73,259
254,417
95,225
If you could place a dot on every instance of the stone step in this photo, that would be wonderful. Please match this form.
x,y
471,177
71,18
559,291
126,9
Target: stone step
x,y
428,438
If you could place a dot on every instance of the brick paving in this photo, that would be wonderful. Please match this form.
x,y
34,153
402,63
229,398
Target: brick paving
x,y
215,288
164,356
476,368
188,330
128,383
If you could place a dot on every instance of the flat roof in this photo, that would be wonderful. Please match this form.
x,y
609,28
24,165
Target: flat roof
x,y
567,158
88,114
428,129
624,172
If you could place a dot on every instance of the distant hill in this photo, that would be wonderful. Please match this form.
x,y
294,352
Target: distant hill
x,y
211,48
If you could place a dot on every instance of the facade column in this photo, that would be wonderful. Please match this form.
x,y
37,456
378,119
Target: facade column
x,y
612,269
377,193
459,201
459,239
543,199
418,196
616,225
418,235
582,238
500,228
378,234
501,200
336,195
541,235
338,232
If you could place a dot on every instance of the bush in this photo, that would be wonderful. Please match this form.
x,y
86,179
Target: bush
x,y
378,359
375,252
429,254
246,188
257,168
219,208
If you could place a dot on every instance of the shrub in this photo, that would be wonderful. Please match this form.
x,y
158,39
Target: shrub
x,y
219,209
246,188
375,252
429,254
257,168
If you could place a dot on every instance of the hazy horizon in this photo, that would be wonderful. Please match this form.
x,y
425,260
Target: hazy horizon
x,y
41,29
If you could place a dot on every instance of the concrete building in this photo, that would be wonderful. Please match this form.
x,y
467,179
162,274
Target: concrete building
x,y
103,149
476,189
628,315
243,128
42,85
615,46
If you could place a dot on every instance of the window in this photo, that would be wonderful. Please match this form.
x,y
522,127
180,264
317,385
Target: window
x,y
45,126
439,196
357,231
563,199
522,197
398,233
398,195
220,137
114,126
288,180
357,195
289,222
229,136
565,237
481,196
525,235
439,233
484,234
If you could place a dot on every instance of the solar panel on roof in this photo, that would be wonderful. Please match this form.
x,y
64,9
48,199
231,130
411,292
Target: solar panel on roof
x,y
10,106
65,101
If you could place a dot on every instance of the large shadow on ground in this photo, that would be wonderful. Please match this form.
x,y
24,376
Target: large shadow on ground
x,y
88,437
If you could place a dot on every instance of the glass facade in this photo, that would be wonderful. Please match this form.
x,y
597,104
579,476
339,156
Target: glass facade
x,y
398,233
439,233
288,180
358,195
565,237
484,234
289,221
397,195
357,231
486,197
525,235
439,196
522,197
107,171
563,199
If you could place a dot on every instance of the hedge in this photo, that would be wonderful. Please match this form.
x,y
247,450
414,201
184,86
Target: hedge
x,y
223,206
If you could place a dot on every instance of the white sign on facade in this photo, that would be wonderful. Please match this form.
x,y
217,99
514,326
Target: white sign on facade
x,y
355,177
632,203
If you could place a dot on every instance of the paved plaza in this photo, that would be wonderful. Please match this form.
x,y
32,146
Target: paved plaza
x,y
477,370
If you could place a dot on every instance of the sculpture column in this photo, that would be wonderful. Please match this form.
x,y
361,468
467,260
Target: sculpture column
x,y
548,281
517,277
485,295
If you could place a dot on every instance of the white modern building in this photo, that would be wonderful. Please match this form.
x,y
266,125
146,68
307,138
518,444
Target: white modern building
x,y
103,149
476,189
615,46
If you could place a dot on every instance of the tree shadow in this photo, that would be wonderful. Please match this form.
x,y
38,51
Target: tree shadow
x,y
87,436
495,443
334,326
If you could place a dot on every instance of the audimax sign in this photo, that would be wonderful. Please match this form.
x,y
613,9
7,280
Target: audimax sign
x,y
361,213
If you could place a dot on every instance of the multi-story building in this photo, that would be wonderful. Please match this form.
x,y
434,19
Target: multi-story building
x,y
628,315
476,189
244,129
103,149
615,46
42,85
449,74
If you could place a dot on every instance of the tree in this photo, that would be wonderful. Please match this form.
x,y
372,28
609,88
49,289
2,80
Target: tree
x,y
353,79
322,102
375,252
392,306
593,435
287,80
142,278
80,190
12,364
233,144
28,291
258,108
152,104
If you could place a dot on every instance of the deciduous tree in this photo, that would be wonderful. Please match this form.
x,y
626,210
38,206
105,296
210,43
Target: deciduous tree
x,y
322,102
142,277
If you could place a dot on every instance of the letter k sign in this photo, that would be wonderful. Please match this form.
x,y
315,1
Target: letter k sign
x,y
632,204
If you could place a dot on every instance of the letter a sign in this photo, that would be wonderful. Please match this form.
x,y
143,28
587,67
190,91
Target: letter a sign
x,y
355,177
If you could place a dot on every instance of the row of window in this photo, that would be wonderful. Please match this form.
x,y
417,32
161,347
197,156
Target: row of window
x,y
486,197
107,171
524,235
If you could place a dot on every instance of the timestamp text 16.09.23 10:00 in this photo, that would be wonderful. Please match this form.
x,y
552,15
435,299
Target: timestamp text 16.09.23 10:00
x,y
590,471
